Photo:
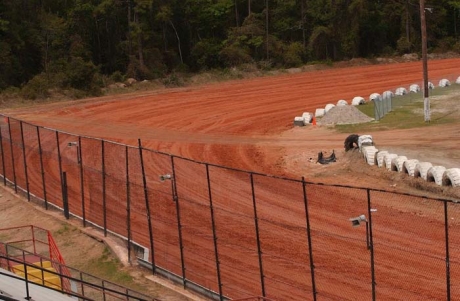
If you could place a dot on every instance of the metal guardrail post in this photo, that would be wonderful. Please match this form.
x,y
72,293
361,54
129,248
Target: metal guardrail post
x,y
33,238
26,276
103,291
82,287
256,223
310,247
42,168
42,271
147,207
60,274
25,160
12,157
214,234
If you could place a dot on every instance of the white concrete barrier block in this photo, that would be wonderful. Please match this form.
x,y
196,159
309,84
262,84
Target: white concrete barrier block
x,y
342,102
328,107
299,121
319,113
401,91
375,97
444,83
358,100
414,88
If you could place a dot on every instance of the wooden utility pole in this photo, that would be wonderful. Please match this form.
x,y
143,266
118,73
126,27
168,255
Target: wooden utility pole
x,y
266,28
426,100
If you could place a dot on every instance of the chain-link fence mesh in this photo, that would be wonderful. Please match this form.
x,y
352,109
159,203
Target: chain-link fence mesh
x,y
453,243
116,188
283,238
34,169
91,150
18,153
7,165
409,261
193,204
256,240
137,219
333,236
70,164
52,191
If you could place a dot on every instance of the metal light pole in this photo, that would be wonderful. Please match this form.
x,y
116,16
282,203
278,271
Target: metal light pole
x,y
426,100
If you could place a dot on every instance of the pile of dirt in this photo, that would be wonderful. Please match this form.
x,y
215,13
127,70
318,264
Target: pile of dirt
x,y
344,115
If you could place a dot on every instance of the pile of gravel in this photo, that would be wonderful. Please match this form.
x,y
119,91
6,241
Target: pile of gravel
x,y
344,115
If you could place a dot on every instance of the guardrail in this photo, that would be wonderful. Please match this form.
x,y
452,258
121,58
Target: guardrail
x,y
82,285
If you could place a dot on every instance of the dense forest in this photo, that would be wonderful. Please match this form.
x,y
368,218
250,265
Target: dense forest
x,y
49,44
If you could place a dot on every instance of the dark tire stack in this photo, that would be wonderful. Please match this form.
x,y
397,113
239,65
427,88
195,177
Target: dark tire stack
x,y
351,142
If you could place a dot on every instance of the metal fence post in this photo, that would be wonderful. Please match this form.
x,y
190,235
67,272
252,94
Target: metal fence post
x,y
104,205
128,203
65,199
25,161
310,247
371,242
82,183
179,225
214,235
256,222
3,159
12,157
59,158
42,168
147,207
446,229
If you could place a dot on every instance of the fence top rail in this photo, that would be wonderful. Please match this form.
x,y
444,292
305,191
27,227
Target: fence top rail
x,y
25,226
256,298
241,170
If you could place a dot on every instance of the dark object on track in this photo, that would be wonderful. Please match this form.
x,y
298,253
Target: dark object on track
x,y
351,142
327,160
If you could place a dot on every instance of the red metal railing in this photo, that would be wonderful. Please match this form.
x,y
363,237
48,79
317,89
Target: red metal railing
x,y
41,243
254,298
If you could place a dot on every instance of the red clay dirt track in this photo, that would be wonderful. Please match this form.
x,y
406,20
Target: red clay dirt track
x,y
247,125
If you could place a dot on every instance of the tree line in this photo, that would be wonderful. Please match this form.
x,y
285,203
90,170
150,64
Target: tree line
x,y
72,44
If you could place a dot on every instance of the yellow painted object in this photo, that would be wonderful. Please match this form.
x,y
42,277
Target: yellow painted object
x,y
39,276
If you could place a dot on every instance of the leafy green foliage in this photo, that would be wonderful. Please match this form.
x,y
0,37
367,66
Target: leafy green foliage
x,y
37,87
69,44
294,54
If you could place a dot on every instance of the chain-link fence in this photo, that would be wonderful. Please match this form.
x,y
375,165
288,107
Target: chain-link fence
x,y
410,96
237,234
